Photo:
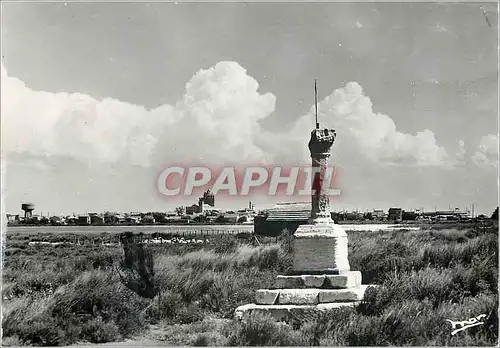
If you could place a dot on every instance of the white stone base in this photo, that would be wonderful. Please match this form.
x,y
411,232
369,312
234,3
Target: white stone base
x,y
350,279
320,249
283,312
320,279
309,296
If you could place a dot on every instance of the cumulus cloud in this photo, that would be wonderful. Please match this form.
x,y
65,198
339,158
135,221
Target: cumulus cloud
x,y
220,113
366,134
217,116
487,154
216,121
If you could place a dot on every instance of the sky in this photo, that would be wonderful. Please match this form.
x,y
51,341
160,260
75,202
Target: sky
x,y
97,98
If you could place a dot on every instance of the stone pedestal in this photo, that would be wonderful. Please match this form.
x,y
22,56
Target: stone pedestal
x,y
320,279
320,249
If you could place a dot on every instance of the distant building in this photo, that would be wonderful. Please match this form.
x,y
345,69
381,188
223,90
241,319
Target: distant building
x,y
205,203
248,212
395,214
71,220
208,198
134,219
231,216
173,218
354,215
123,220
289,216
83,220
56,220
378,214
211,218
410,215
110,218
96,219
148,219
204,207
194,209
11,218
446,213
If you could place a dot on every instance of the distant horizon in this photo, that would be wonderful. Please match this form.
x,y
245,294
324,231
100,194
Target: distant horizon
x,y
483,211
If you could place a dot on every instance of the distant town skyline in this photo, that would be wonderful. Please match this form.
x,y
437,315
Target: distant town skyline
x,y
98,97
337,210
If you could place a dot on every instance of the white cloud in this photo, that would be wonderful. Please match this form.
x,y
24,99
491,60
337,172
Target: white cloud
x,y
215,121
217,116
364,134
487,154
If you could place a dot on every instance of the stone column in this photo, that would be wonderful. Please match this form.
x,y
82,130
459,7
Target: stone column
x,y
320,146
320,247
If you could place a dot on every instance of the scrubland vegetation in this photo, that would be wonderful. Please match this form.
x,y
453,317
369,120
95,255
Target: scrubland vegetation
x,y
186,294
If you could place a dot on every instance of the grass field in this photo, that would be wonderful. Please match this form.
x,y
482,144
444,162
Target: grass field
x,y
185,294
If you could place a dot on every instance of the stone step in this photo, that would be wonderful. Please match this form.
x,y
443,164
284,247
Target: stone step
x,y
284,312
350,279
309,296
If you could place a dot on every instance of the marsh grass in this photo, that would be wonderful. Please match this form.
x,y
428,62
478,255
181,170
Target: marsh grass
x,y
68,294
94,307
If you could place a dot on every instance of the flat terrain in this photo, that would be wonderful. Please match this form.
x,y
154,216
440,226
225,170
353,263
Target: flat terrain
x,y
146,229
185,293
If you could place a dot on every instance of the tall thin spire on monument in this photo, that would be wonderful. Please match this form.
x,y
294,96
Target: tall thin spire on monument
x,y
316,103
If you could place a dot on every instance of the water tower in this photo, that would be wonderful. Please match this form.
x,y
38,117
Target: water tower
x,y
28,209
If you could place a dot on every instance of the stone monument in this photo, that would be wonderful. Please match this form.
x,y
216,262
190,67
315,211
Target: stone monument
x,y
320,247
320,278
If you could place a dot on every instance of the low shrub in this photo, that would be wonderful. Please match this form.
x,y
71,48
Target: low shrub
x,y
94,307
225,244
96,330
189,313
262,330
377,259
137,266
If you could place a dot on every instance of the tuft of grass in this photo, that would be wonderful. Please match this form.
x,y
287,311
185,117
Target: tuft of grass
x,y
217,282
225,244
262,330
208,332
95,307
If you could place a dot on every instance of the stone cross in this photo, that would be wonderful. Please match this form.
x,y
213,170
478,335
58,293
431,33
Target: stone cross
x,y
320,247
320,145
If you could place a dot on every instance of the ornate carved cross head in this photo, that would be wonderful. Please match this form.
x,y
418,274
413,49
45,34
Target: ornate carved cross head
x,y
322,140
